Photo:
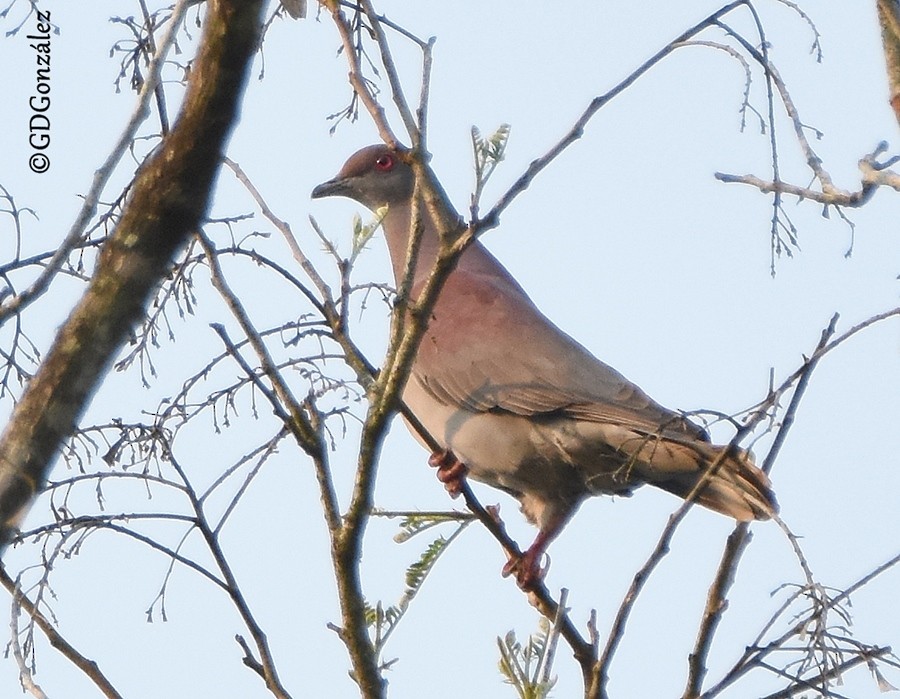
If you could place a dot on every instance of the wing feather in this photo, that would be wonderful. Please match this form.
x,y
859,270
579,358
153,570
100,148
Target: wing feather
x,y
521,363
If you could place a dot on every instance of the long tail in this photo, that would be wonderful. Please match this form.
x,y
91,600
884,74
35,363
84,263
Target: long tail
x,y
730,485
685,464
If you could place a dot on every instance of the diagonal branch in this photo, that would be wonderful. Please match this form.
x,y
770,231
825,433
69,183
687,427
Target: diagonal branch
x,y
56,639
492,218
356,77
267,668
738,541
716,604
387,60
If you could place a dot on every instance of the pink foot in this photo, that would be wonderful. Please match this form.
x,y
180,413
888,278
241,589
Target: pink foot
x,y
527,568
450,471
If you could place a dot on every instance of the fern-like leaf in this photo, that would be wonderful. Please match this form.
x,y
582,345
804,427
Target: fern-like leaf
x,y
488,154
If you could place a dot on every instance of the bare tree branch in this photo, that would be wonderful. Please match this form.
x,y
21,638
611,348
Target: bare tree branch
x,y
873,175
56,639
269,672
716,604
492,218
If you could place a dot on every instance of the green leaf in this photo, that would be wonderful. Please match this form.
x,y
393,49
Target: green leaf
x,y
362,233
522,666
488,155
414,524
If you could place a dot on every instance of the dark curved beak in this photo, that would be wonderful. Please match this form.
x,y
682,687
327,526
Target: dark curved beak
x,y
332,188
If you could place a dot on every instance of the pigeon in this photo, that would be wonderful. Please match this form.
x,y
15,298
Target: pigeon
x,y
516,403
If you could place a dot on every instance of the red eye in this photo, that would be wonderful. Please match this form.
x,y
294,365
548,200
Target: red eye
x,y
384,163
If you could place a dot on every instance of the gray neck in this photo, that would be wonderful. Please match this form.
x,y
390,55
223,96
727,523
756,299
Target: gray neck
x,y
476,259
397,232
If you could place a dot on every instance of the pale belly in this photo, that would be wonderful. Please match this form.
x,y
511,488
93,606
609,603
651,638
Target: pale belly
x,y
551,465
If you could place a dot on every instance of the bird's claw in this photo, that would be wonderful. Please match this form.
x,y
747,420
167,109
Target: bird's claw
x,y
450,471
527,568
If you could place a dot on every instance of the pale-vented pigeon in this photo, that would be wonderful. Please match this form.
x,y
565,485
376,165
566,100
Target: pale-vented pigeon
x,y
522,405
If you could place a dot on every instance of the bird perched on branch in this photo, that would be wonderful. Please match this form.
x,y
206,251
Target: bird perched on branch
x,y
518,404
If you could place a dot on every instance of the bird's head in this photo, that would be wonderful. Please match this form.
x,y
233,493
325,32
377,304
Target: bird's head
x,y
374,176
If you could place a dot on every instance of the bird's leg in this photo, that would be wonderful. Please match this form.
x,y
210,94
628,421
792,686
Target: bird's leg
x,y
450,471
527,568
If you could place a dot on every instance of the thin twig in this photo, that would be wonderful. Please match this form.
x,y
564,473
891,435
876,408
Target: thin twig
x,y
740,538
358,81
387,61
56,639
600,674
803,376
299,422
492,218
815,682
270,674
716,604
285,229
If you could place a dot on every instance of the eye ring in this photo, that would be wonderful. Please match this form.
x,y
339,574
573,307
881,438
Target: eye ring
x,y
385,163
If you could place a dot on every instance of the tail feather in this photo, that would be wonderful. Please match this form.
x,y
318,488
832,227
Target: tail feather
x,y
722,479
729,484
